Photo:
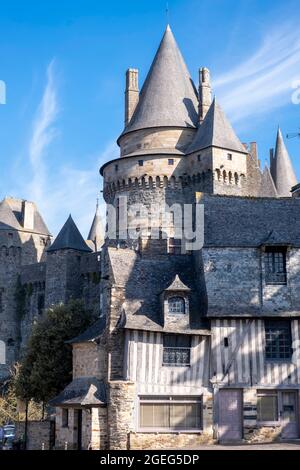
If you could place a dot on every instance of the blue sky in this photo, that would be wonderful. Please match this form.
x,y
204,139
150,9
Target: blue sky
x,y
64,63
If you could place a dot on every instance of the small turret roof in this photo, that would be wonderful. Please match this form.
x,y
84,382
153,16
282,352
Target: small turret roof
x,y
168,96
283,171
69,238
216,131
96,231
177,285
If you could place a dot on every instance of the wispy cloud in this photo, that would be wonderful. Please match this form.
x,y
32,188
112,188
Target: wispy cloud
x,y
43,133
68,189
263,81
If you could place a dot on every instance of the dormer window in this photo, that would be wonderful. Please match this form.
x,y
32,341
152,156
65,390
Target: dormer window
x,y
176,305
275,265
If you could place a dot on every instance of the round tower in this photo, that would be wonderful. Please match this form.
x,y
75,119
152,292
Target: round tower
x,y
160,124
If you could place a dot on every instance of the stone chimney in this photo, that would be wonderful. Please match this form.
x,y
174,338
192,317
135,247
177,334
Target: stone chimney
x,y
254,152
204,92
296,190
131,93
28,215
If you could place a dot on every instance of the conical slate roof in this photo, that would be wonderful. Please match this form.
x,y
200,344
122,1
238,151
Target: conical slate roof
x,y
168,96
216,131
69,238
282,169
8,219
96,231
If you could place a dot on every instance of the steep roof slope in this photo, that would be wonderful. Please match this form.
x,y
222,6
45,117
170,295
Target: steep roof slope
x,y
168,96
69,238
7,218
216,131
282,168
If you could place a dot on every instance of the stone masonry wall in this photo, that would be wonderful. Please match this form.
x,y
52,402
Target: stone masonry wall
x,y
40,434
157,441
120,414
88,360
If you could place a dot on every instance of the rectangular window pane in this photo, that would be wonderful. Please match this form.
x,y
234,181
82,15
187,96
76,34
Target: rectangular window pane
x,y
146,413
267,408
278,339
275,262
170,415
161,416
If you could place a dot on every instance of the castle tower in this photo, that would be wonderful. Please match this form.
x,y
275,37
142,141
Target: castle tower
x,y
63,265
151,168
24,238
96,238
282,168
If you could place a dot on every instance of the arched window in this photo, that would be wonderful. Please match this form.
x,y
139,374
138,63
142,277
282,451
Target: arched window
x,y
2,353
176,305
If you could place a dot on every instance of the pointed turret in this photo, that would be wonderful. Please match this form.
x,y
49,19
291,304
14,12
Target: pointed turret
x,y
96,232
69,238
168,97
282,168
216,131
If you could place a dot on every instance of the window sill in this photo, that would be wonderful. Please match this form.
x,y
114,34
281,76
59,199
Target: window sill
x,y
276,283
269,424
168,431
278,361
183,366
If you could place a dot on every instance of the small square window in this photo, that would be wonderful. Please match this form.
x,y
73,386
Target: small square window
x,y
141,162
229,156
171,161
267,406
116,167
199,158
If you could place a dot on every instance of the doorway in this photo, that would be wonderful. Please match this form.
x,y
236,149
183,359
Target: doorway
x,y
288,410
230,415
78,421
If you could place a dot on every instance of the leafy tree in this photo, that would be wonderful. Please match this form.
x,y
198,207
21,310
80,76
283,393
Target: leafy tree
x,y
10,406
47,365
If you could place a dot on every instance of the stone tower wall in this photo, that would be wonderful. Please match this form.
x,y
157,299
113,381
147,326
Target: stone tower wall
x,y
156,138
17,250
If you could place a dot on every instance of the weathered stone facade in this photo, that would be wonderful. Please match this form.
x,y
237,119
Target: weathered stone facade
x,y
40,434
191,346
33,278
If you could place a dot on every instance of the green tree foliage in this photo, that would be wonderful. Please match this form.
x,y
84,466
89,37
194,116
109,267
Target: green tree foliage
x,y
11,409
47,365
